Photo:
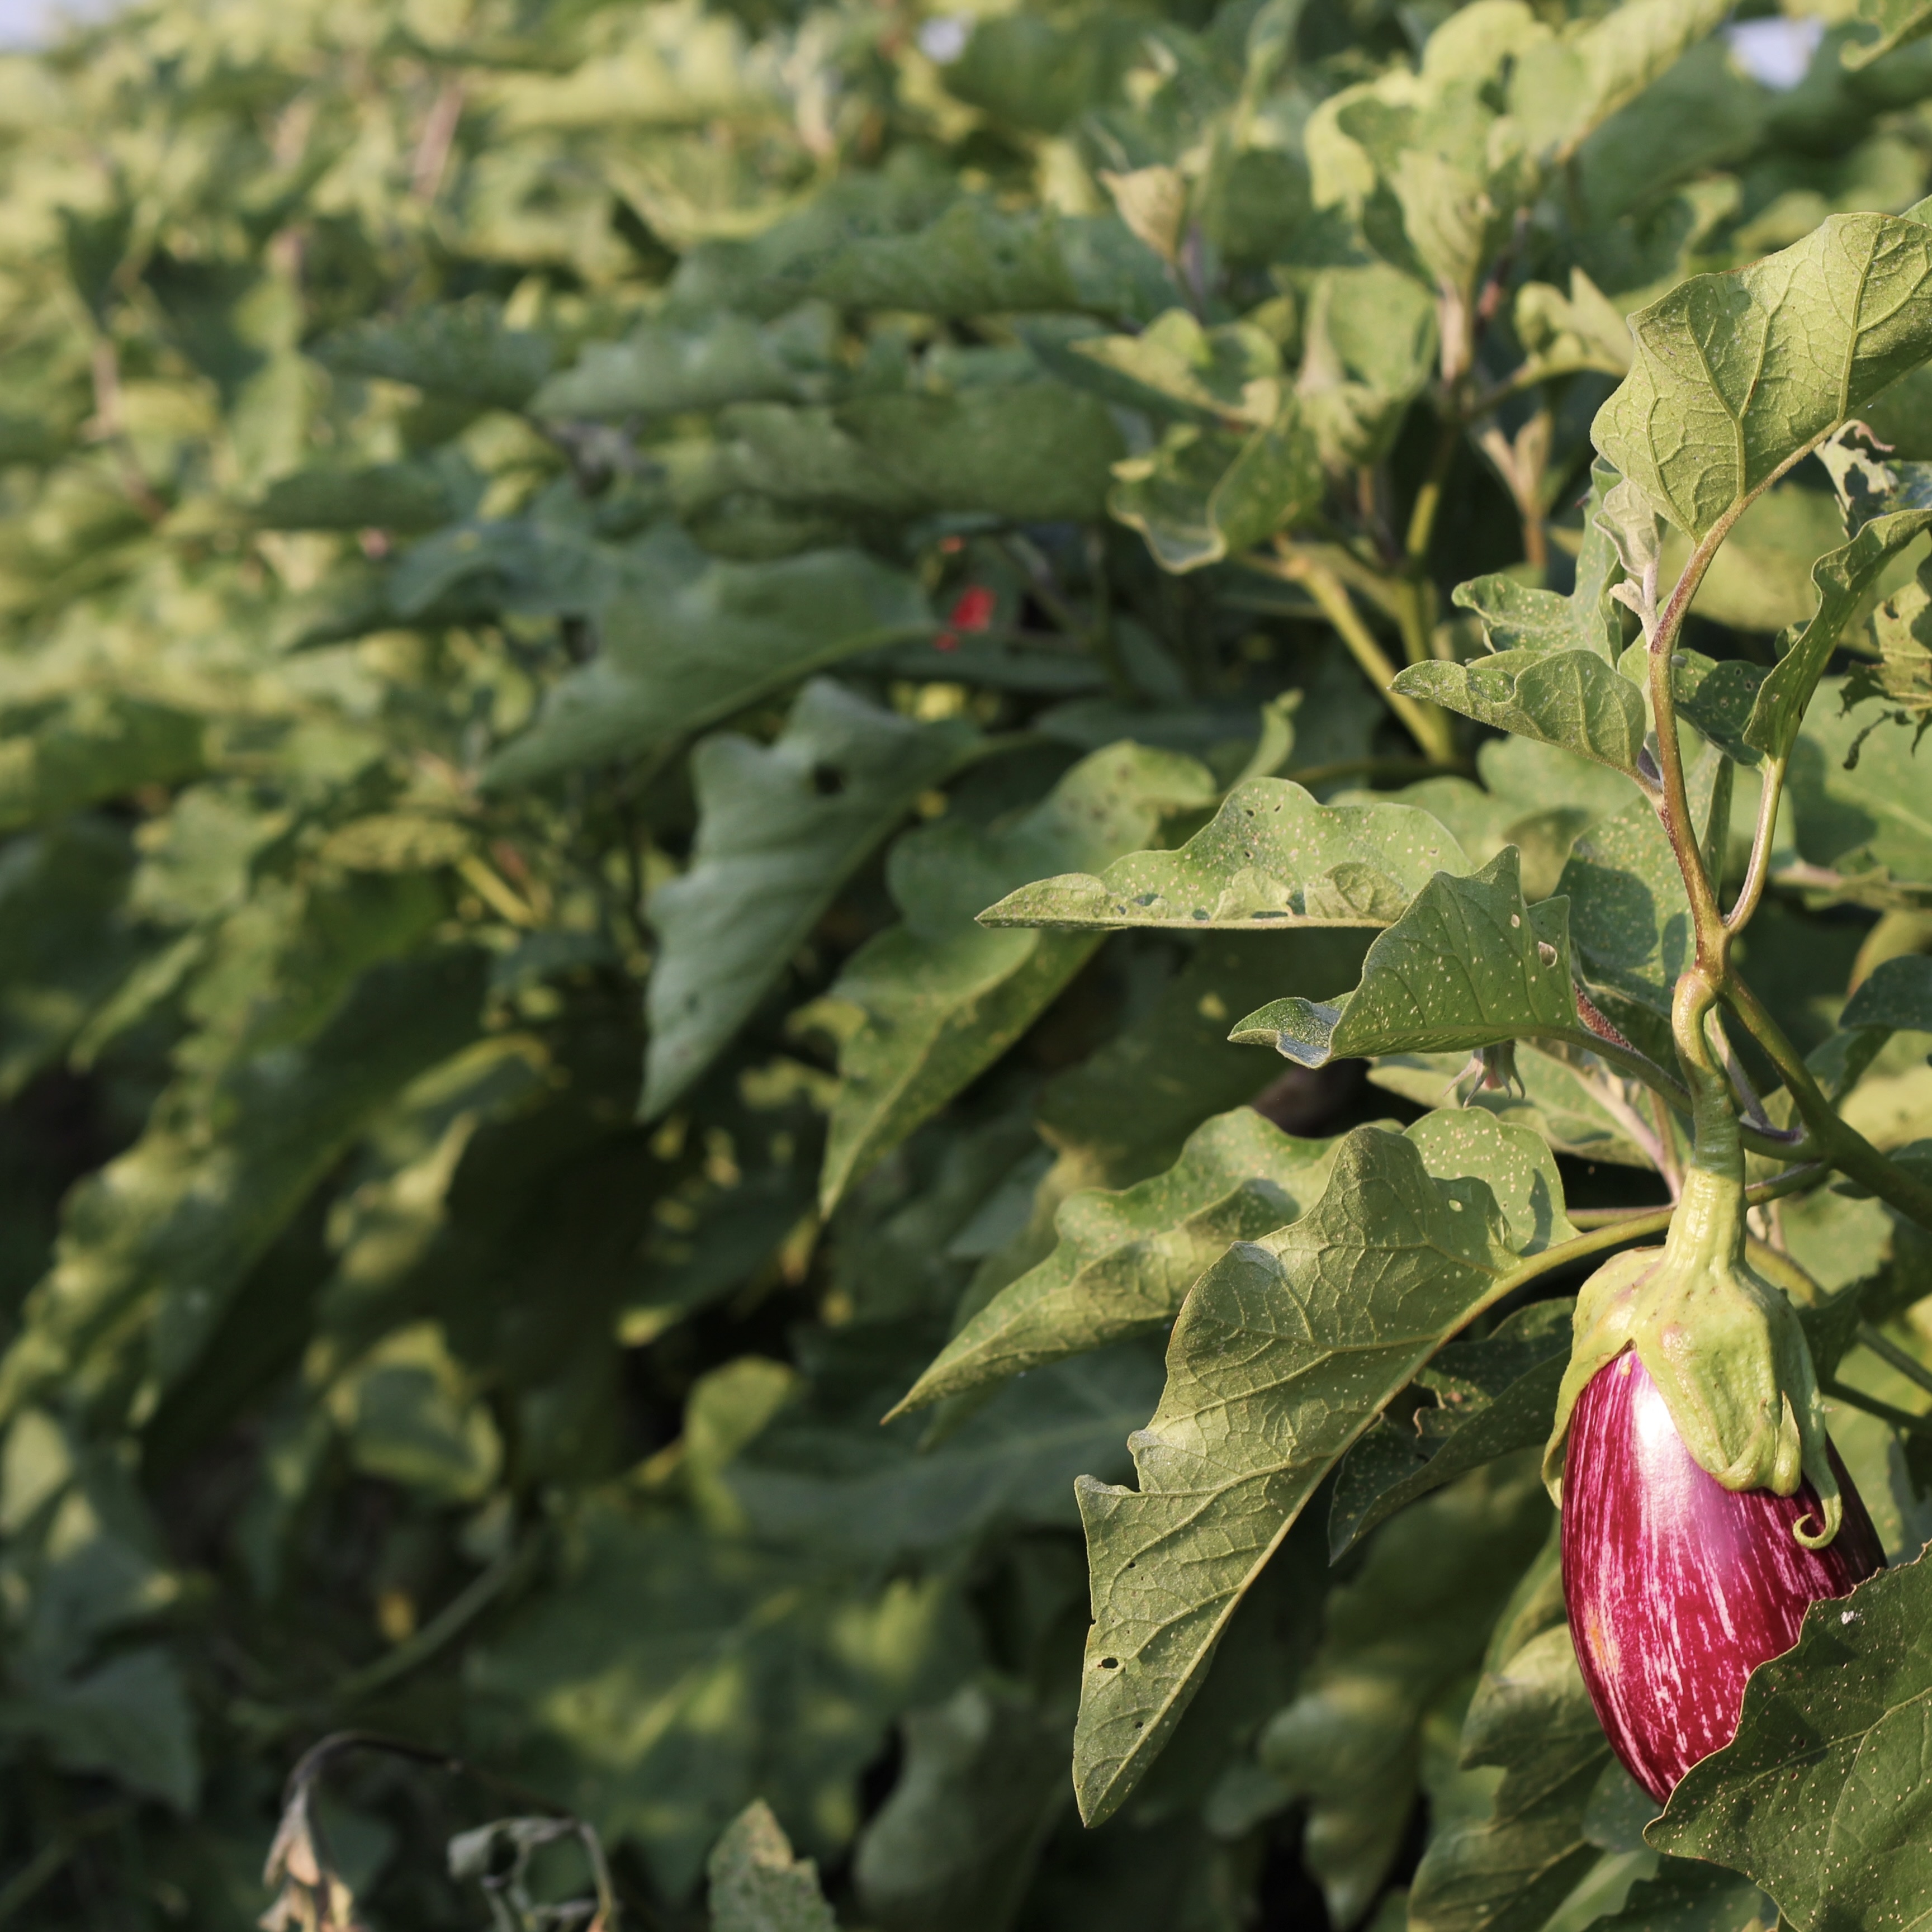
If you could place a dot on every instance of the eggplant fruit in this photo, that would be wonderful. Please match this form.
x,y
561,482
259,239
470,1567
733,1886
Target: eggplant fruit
x,y
1677,1588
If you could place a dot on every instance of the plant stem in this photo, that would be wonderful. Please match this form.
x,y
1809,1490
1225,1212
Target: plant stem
x,y
1771,791
1836,1140
1899,1418
1428,726
1889,1351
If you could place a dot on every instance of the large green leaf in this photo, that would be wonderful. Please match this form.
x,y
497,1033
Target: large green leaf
x,y
1897,995
692,640
1272,854
779,830
1736,374
1871,820
1284,1352
933,1001
1821,1797
465,349
1467,964
1123,1262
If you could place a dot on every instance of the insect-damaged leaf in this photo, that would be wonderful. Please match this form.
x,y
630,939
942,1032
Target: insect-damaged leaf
x,y
1572,698
1468,965
1822,1796
1283,1354
1124,1261
940,997
1272,857
1736,374
779,827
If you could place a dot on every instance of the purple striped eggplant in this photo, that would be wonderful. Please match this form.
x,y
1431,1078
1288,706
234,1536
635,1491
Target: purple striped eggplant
x,y
1677,1588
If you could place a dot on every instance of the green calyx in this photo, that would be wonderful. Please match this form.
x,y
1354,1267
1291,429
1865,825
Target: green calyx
x,y
1723,1345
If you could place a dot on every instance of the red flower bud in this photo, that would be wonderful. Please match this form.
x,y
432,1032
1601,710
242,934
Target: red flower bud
x,y
972,611
1677,1588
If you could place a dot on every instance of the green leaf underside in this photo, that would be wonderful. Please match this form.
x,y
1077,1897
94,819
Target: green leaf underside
x,y
1822,1797
1734,374
1469,963
757,1884
1571,698
1124,1261
779,829
940,997
1284,1352
1493,1396
1272,857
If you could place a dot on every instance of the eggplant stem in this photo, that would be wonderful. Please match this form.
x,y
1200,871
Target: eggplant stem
x,y
1889,1351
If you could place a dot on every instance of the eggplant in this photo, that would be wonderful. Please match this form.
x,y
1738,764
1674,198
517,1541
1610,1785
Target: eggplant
x,y
1678,1588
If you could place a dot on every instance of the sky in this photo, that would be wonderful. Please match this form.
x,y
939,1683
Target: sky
x,y
23,23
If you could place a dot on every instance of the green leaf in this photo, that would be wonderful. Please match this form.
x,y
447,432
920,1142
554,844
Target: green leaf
x,y
1283,1354
672,1676
1902,678
128,1719
1899,22
1898,994
1692,1897
1870,821
659,369
1175,366
1736,374
155,1243
953,1848
1492,1396
974,260
398,496
940,997
1506,1851
1123,1262
1843,576
464,350
1467,964
757,1886
694,640
96,746
1205,495
815,1487
1570,698
1272,857
1833,1728
780,829
1518,619
1398,1635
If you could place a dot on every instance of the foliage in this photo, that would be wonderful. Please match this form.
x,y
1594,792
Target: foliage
x,y
682,685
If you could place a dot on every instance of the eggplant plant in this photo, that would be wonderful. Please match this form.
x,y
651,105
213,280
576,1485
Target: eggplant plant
x,y
1178,741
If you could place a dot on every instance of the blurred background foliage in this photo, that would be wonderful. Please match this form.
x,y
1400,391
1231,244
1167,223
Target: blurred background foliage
x,y
552,554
